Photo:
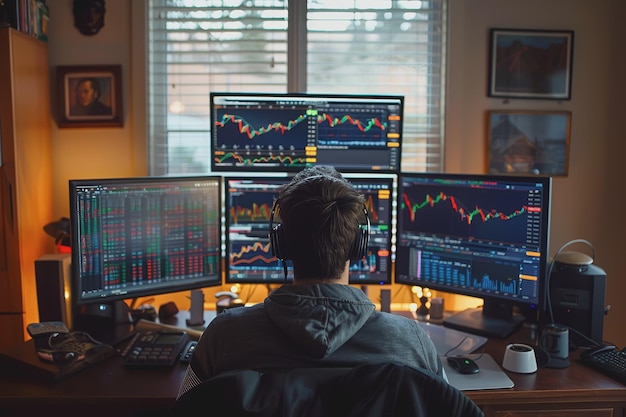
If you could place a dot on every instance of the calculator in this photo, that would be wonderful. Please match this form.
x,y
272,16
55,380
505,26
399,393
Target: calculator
x,y
160,348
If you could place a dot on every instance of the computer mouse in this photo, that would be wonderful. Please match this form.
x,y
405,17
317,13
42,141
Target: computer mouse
x,y
463,365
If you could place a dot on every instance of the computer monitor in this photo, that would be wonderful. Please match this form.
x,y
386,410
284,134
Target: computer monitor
x,y
249,258
139,237
287,132
484,236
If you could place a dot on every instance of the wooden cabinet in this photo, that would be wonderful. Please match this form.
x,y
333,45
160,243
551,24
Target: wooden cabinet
x,y
25,177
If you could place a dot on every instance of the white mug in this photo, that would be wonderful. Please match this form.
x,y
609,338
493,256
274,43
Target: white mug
x,y
520,358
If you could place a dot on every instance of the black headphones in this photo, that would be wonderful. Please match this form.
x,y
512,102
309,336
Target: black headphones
x,y
280,246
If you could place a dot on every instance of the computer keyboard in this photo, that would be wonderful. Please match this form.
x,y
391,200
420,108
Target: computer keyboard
x,y
146,326
608,360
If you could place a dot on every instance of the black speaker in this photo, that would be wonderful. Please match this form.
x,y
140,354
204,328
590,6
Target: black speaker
x,y
52,276
280,246
577,295
385,300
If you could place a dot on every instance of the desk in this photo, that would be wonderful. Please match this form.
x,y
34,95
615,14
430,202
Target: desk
x,y
577,391
110,389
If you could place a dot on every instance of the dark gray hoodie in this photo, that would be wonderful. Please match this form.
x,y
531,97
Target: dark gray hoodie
x,y
309,326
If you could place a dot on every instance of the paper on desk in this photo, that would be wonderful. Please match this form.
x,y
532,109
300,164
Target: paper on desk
x,y
452,342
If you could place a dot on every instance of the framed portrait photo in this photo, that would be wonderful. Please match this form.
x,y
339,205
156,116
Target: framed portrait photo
x,y
530,64
528,142
89,96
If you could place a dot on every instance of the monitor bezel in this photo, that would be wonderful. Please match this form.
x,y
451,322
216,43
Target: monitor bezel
x,y
306,96
76,282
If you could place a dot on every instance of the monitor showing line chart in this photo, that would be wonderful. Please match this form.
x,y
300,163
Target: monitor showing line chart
x,y
287,132
248,203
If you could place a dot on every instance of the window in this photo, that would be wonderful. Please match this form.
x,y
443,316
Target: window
x,y
318,46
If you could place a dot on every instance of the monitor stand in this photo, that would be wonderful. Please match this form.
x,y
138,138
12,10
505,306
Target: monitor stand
x,y
492,320
108,323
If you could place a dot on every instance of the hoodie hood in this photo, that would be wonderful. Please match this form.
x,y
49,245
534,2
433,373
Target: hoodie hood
x,y
320,318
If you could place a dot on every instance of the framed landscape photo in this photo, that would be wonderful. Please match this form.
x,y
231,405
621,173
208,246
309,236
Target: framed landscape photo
x,y
530,64
528,142
89,96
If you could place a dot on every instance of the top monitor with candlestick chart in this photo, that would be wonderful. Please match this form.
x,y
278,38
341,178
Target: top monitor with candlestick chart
x,y
287,132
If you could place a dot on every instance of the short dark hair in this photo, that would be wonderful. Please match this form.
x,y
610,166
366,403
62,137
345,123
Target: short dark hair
x,y
321,213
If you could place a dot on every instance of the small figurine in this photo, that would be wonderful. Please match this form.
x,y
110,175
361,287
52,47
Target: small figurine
x,y
89,16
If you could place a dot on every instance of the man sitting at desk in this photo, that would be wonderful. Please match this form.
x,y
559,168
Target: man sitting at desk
x,y
320,320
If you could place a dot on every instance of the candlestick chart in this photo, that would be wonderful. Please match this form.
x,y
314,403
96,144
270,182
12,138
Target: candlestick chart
x,y
355,133
480,235
257,128
253,137
481,215
253,212
354,130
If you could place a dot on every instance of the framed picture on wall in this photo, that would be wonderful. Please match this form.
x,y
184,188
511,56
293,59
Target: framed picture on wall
x,y
531,64
528,142
89,96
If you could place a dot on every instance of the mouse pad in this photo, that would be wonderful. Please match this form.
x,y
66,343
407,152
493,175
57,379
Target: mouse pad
x,y
491,375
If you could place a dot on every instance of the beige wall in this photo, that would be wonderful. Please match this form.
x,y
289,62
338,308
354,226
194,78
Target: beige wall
x,y
586,204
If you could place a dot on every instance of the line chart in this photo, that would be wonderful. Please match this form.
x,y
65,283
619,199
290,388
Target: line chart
x,y
259,253
465,215
251,132
439,212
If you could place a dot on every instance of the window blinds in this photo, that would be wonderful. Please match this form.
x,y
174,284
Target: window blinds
x,y
318,46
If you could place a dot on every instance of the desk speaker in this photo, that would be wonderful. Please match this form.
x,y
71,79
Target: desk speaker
x,y
52,276
577,295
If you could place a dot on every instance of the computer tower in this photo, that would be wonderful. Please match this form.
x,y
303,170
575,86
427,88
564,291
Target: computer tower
x,y
52,277
577,295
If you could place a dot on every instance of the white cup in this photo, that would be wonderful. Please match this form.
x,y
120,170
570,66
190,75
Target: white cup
x,y
520,358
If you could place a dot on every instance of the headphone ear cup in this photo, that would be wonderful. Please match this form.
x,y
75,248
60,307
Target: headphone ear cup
x,y
361,242
279,250
276,235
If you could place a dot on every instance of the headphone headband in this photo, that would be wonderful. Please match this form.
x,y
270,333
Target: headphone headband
x,y
280,245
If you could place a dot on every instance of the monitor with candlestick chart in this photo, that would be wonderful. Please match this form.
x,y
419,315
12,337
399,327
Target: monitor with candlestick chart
x,y
248,203
479,235
287,132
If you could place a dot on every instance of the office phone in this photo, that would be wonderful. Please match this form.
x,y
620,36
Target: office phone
x,y
155,348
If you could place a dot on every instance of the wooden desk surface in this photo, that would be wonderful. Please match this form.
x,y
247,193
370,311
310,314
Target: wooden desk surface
x,y
109,389
577,386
